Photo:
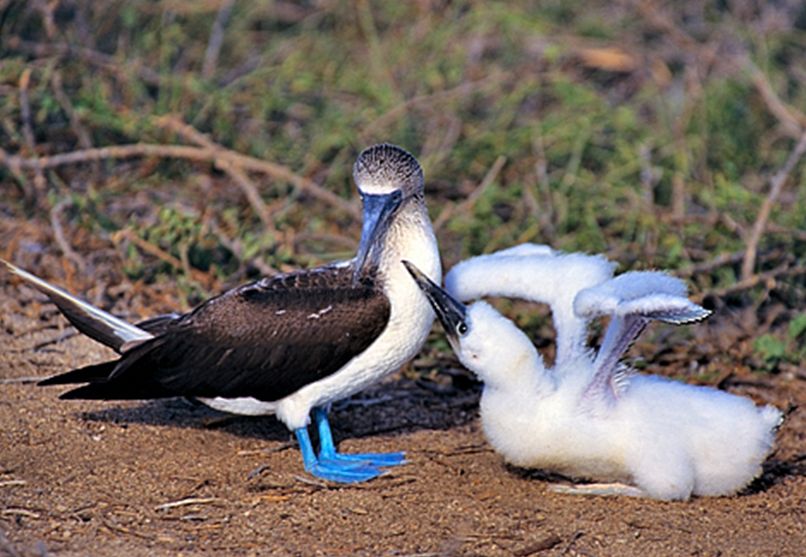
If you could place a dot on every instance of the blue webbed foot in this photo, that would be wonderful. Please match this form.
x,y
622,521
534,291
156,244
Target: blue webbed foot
x,y
371,459
336,472
328,453
333,470
336,467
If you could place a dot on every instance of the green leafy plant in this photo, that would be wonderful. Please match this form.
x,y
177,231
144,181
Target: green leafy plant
x,y
791,348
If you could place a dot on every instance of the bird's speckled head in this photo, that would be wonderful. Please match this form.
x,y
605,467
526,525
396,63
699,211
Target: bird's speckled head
x,y
388,179
384,168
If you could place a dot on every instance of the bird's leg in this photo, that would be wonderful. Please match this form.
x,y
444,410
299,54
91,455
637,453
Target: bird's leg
x,y
328,453
601,489
331,470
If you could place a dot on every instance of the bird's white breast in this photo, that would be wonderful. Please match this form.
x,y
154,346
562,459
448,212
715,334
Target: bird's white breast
x,y
411,238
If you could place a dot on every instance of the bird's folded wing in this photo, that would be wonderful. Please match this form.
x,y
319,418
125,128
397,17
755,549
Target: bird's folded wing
x,y
264,340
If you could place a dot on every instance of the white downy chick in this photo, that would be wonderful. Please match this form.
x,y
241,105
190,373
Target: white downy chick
x,y
589,416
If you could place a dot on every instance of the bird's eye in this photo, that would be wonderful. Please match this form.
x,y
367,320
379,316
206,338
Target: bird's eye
x,y
461,328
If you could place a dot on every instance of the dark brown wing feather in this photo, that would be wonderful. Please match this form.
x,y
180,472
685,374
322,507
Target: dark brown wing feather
x,y
263,340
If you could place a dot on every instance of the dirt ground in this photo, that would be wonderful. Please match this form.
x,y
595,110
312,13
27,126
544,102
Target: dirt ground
x,y
172,477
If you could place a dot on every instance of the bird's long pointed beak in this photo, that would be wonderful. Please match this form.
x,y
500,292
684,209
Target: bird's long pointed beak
x,y
377,214
450,312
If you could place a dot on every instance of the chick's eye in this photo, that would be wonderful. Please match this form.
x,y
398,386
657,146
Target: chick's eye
x,y
461,328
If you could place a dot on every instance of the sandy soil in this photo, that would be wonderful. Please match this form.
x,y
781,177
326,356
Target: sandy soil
x,y
173,478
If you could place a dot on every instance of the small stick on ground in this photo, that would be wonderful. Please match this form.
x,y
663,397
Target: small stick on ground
x,y
708,266
20,512
188,501
123,530
266,451
543,545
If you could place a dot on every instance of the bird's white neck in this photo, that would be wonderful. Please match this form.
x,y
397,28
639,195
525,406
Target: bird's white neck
x,y
502,355
410,237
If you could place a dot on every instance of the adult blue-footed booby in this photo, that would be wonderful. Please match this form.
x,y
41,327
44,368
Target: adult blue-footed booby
x,y
289,344
590,416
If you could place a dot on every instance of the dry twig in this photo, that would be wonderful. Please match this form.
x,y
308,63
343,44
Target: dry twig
x,y
92,57
219,157
240,177
58,233
25,109
159,253
776,185
27,128
13,511
188,501
781,271
216,39
792,121
432,100
81,132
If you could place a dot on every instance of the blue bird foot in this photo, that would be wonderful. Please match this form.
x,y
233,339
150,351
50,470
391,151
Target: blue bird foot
x,y
334,470
328,453
337,467
371,459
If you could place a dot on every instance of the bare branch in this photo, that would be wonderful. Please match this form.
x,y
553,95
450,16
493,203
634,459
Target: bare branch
x,y
216,39
785,270
92,57
159,253
220,157
58,233
81,132
792,121
776,185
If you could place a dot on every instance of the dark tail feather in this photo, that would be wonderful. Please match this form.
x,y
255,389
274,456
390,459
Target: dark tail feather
x,y
89,374
118,389
110,380
93,322
108,391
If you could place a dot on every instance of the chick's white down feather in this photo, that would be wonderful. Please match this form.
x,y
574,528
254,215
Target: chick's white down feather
x,y
589,416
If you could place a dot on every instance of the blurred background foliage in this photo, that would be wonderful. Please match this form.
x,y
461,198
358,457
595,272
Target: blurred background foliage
x,y
647,130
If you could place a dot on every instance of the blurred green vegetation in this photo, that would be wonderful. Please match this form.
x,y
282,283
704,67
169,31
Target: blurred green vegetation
x,y
630,127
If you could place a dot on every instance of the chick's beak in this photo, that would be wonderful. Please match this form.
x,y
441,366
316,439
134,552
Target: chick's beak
x,y
450,312
377,214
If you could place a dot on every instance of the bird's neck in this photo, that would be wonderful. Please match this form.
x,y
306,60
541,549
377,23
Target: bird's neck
x,y
410,237
525,374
